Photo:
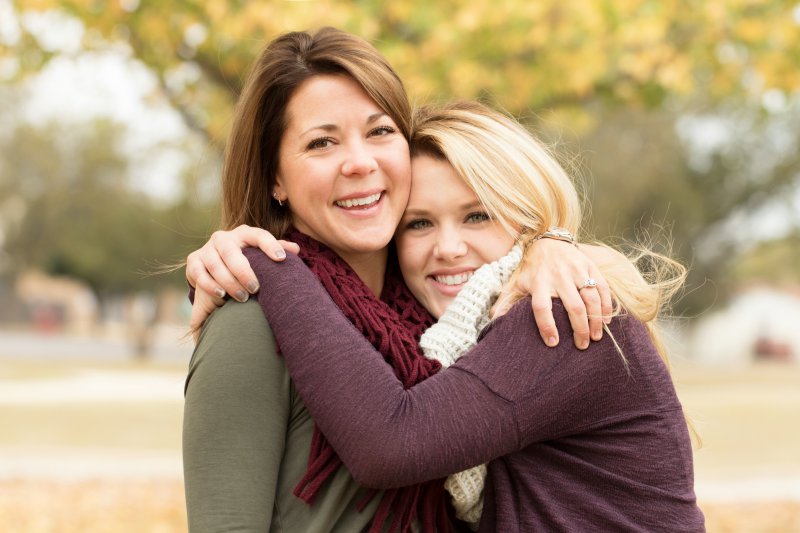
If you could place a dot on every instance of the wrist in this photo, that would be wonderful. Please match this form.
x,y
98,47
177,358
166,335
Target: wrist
x,y
559,234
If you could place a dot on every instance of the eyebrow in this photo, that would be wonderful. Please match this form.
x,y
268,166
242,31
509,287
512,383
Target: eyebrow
x,y
415,212
333,127
424,212
471,205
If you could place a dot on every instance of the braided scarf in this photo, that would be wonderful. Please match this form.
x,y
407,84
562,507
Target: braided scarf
x,y
393,324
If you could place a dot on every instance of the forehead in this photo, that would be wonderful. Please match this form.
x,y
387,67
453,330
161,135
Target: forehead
x,y
328,98
434,180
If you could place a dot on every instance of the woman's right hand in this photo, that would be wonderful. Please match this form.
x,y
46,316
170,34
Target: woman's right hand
x,y
220,268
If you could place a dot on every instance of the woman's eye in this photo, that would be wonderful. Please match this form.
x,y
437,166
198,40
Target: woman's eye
x,y
381,130
477,217
322,142
419,223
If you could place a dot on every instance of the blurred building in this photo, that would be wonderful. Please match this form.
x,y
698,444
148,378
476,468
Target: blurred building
x,y
760,323
53,303
148,322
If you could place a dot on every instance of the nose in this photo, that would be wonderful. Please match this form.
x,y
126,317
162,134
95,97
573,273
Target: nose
x,y
359,159
449,244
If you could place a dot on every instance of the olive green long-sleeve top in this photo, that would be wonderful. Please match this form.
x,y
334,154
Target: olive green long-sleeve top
x,y
246,438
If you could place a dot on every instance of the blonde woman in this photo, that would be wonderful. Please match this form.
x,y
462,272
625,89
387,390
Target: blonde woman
x,y
573,441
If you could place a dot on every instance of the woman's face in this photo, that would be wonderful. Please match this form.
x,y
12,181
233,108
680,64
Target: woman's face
x,y
343,166
444,235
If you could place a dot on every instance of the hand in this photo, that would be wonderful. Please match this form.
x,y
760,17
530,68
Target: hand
x,y
220,268
553,268
203,305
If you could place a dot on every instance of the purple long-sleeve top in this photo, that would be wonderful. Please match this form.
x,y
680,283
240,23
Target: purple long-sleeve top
x,y
575,440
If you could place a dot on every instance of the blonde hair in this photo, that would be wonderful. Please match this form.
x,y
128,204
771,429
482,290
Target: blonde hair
x,y
523,187
251,155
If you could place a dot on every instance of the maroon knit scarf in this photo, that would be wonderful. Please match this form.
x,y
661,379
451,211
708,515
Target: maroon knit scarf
x,y
393,324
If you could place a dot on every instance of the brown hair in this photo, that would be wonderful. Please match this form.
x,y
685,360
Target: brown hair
x,y
251,156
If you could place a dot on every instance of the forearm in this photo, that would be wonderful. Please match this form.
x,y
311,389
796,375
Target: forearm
x,y
235,420
386,436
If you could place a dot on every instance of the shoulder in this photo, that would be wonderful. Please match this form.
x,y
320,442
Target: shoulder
x,y
255,257
291,274
521,316
625,339
626,354
625,326
235,320
261,263
236,336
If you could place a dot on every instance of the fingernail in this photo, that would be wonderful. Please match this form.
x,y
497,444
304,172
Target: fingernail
x,y
552,341
584,345
280,253
242,296
252,286
219,293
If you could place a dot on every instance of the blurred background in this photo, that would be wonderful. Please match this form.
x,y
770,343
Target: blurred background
x,y
680,120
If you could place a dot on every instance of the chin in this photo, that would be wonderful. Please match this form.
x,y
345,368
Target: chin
x,y
374,241
371,245
437,308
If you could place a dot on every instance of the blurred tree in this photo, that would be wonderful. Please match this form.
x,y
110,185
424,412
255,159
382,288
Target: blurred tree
x,y
67,209
699,184
72,212
525,55
622,77
773,262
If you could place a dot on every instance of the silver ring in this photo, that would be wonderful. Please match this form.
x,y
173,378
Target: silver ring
x,y
590,283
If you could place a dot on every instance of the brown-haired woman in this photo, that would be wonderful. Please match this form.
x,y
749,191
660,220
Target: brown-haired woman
x,y
318,154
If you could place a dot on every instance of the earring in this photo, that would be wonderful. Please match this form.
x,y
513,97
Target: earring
x,y
277,199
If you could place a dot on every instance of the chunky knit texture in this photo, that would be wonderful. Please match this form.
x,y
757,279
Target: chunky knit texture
x,y
451,337
393,325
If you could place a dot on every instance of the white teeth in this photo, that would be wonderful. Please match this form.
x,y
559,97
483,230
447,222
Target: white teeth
x,y
457,279
359,202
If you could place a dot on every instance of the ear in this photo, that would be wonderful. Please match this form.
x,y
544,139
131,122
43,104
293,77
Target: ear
x,y
278,191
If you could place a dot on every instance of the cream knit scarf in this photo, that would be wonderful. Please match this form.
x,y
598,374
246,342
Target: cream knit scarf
x,y
451,337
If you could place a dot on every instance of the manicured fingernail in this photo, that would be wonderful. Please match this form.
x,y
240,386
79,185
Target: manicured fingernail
x,y
552,341
280,253
252,286
219,293
242,296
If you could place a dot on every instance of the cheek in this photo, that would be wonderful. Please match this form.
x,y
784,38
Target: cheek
x,y
411,255
493,245
403,190
404,256
397,165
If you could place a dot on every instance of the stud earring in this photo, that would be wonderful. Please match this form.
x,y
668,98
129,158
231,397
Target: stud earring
x,y
277,199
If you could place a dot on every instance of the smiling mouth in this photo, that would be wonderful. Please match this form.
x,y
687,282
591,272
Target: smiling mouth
x,y
360,203
455,279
